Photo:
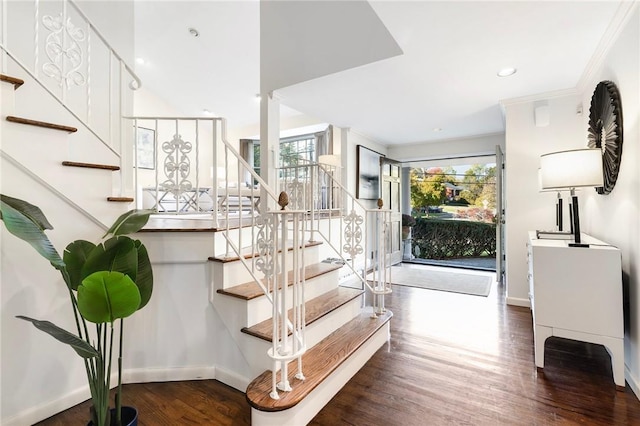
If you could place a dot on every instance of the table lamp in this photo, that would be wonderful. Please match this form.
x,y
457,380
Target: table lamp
x,y
559,203
572,169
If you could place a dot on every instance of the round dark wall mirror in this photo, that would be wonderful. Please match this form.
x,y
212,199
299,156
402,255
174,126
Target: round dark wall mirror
x,y
605,131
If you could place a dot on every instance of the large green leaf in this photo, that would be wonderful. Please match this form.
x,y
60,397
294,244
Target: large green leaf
x,y
75,256
144,279
129,222
82,348
115,254
107,296
32,212
28,223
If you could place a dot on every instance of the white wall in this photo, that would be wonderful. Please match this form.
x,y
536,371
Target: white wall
x,y
612,218
615,217
40,376
115,21
526,207
349,142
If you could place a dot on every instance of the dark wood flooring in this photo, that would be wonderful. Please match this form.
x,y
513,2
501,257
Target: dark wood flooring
x,y
452,360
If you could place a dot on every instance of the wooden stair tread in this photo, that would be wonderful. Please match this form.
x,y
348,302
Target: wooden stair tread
x,y
317,363
17,82
44,124
249,255
91,165
120,199
251,290
314,310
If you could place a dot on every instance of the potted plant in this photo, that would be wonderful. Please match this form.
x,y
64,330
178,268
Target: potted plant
x,y
106,282
407,222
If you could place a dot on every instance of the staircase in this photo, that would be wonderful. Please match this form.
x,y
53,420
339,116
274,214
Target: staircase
x,y
341,335
273,277
338,333
86,186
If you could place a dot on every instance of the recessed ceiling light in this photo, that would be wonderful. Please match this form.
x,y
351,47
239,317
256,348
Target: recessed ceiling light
x,y
194,32
258,97
437,129
206,112
140,61
506,72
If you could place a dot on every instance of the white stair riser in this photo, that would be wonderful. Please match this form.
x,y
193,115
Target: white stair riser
x,y
7,99
259,309
229,274
255,349
223,250
306,410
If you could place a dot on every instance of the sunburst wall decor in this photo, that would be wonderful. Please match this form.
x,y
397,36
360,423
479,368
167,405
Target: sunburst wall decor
x,y
605,131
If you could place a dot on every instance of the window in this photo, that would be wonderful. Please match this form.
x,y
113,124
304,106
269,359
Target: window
x,y
295,150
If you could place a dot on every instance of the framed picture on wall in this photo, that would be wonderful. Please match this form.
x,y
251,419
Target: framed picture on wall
x,y
146,148
368,172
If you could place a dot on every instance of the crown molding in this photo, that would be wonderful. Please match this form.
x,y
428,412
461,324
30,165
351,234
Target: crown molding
x,y
620,19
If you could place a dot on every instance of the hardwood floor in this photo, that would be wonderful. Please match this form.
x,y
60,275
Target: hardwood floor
x,y
452,359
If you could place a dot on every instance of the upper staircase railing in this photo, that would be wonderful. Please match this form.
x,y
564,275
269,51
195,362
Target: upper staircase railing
x,y
57,45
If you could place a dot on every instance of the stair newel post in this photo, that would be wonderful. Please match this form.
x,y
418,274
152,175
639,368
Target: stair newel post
x,y
282,287
298,289
272,286
313,199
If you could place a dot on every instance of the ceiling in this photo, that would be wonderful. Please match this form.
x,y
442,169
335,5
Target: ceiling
x,y
444,79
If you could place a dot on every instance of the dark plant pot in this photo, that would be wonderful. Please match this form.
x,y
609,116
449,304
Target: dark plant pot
x,y
129,417
406,232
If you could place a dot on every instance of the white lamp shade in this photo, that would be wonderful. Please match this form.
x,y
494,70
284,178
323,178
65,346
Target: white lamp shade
x,y
571,169
329,160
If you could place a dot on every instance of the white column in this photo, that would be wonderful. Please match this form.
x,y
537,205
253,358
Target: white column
x,y
405,184
269,143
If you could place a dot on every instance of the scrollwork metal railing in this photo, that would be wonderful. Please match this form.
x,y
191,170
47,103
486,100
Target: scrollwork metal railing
x,y
58,46
360,236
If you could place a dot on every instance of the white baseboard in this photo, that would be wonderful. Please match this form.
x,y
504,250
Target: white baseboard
x,y
633,381
232,379
141,375
147,375
516,301
46,410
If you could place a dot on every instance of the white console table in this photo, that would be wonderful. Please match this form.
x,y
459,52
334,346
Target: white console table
x,y
576,293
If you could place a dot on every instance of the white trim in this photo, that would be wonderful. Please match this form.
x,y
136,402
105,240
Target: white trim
x,y
48,409
634,383
516,301
53,190
618,23
141,375
384,144
146,375
232,379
